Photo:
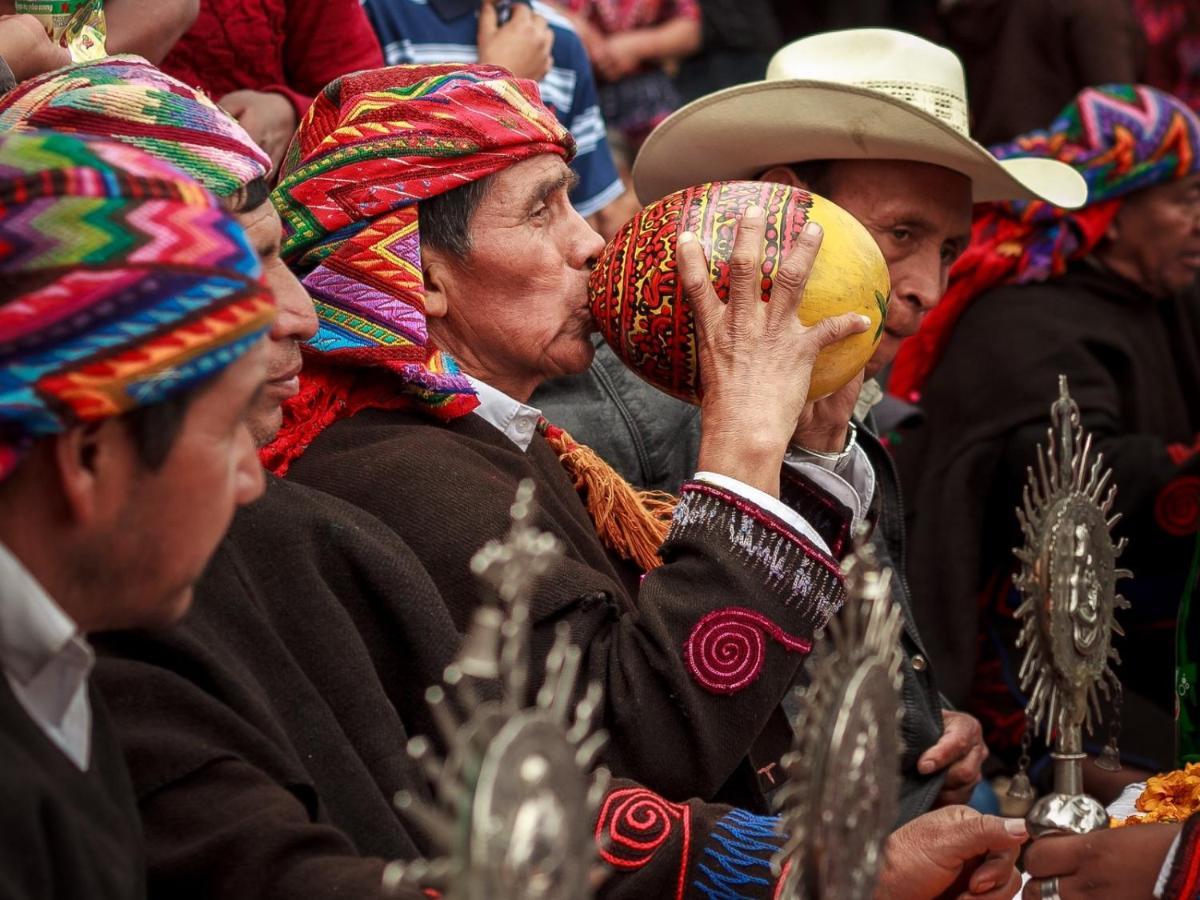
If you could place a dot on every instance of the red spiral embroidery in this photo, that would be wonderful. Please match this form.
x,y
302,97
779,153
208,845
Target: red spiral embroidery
x,y
635,822
1177,509
726,649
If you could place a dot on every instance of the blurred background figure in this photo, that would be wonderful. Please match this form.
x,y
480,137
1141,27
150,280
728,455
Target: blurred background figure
x,y
1050,50
1107,296
631,43
1172,31
148,28
265,60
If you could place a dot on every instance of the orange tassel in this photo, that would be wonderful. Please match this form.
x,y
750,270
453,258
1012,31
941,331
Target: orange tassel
x,y
630,522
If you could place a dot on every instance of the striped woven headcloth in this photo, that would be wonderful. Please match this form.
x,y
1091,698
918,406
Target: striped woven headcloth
x,y
122,283
374,145
1121,138
125,98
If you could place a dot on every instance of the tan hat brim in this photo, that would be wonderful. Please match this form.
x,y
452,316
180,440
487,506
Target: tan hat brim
x,y
741,131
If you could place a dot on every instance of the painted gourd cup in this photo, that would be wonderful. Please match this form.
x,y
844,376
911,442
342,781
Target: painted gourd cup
x,y
639,305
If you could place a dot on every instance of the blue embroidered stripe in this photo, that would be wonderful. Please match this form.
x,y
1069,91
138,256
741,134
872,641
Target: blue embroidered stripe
x,y
737,863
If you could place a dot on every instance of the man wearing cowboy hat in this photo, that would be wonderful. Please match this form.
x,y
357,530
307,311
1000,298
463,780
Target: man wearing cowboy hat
x,y
875,120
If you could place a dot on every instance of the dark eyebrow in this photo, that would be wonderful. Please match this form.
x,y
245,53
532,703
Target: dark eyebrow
x,y
547,188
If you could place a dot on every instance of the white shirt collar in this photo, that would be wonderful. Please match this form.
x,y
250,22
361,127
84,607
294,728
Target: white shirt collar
x,y
517,421
45,659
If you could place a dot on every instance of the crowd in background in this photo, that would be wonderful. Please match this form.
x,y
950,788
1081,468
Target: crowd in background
x,y
1036,290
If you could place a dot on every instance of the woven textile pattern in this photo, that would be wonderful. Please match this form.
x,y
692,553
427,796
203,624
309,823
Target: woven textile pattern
x,y
1121,138
124,98
121,283
635,295
372,147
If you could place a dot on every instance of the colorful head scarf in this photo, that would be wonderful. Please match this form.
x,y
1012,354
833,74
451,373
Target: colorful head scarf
x,y
124,98
1121,138
372,147
122,283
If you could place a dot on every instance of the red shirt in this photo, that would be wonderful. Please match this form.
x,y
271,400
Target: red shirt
x,y
291,47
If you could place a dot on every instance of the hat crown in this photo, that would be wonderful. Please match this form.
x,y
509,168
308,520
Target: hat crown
x,y
870,58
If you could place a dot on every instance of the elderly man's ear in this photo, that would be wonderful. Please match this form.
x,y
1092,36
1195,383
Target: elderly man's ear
x,y
438,275
782,175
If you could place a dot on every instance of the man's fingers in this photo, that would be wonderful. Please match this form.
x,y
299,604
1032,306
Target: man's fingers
x,y
745,263
954,744
967,771
1006,891
792,274
1056,856
994,871
697,287
836,328
489,24
984,835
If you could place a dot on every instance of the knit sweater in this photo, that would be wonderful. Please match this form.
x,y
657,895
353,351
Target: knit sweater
x,y
289,47
66,834
266,733
694,657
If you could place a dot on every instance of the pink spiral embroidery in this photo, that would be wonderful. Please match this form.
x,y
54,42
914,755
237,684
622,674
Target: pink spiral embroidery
x,y
635,822
726,649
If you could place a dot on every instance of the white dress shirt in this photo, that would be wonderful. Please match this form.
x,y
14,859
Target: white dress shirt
x,y
518,421
46,660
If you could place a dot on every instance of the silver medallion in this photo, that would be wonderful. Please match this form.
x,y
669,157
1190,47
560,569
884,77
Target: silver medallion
x,y
842,794
1068,583
515,797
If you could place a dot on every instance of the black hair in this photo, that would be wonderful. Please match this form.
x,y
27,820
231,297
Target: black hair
x,y
445,220
155,428
248,198
815,174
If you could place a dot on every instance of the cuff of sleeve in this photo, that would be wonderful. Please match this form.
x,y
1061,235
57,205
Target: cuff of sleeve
x,y
829,507
785,559
851,482
773,505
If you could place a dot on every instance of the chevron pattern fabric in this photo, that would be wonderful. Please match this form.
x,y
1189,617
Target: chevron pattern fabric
x,y
126,99
1121,138
372,147
122,283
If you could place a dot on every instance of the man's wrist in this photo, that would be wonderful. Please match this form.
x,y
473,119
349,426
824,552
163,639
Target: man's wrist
x,y
827,444
749,459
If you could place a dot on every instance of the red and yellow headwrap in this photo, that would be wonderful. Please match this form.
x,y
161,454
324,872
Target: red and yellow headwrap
x,y
371,148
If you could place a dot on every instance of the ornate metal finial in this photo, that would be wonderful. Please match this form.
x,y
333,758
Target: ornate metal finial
x,y
841,798
1068,581
514,803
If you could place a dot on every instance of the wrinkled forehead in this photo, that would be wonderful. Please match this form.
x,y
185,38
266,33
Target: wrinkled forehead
x,y
925,193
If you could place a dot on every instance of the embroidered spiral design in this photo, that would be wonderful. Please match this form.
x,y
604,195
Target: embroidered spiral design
x,y
726,650
634,823
1177,509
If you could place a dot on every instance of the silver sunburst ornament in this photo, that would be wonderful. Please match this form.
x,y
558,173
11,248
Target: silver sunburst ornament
x,y
1068,582
841,796
515,796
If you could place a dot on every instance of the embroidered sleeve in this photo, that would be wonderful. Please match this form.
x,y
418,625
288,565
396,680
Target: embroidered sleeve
x,y
656,848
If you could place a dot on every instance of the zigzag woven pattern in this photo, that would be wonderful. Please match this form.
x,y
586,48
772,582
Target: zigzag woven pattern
x,y
1121,138
372,147
124,98
122,282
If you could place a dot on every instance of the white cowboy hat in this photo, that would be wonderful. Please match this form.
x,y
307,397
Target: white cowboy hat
x,y
866,93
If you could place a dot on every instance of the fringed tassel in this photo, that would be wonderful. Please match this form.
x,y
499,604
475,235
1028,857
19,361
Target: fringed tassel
x,y
630,522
